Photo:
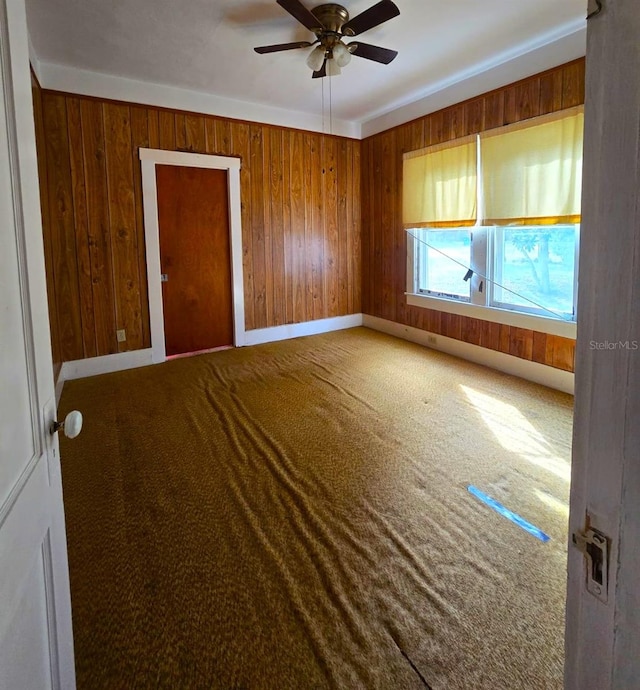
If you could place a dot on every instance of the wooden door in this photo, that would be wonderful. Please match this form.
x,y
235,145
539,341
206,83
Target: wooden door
x,y
195,258
36,643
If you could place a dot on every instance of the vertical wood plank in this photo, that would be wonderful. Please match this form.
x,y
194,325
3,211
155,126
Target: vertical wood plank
x,y
140,139
287,234
539,348
387,193
316,246
344,270
573,84
356,228
99,229
167,126
527,99
278,267
268,237
504,343
456,118
309,160
257,228
366,197
195,136
421,132
122,218
210,135
376,281
551,92
181,131
438,129
494,110
223,137
81,222
510,105
475,116
65,267
471,330
490,335
296,161
330,217
154,128
521,342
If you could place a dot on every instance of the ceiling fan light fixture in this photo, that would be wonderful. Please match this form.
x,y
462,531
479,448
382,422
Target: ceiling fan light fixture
x,y
316,58
341,55
333,68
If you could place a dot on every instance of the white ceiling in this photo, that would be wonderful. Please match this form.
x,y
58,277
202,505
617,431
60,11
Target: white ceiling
x,y
206,46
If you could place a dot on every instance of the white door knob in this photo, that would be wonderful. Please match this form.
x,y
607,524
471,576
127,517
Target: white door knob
x,y
72,424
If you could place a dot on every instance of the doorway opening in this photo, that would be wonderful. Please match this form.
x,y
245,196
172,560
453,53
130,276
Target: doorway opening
x,y
193,237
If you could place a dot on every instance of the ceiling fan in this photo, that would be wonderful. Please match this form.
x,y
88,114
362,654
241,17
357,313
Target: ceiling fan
x,y
331,24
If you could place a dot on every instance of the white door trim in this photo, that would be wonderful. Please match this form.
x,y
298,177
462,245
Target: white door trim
x,y
149,158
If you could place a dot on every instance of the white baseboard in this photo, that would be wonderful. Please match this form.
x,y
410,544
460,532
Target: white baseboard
x,y
297,330
81,368
532,371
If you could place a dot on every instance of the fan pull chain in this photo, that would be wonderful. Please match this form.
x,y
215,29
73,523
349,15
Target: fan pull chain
x,y
330,108
323,127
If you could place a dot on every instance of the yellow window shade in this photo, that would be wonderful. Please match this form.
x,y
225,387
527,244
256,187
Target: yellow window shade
x,y
439,185
532,171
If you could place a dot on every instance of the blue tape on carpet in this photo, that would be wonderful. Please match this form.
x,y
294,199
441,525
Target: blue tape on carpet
x,y
499,508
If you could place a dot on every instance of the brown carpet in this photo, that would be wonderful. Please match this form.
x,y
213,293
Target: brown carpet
x,y
296,515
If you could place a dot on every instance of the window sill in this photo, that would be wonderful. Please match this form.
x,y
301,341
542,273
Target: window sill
x,y
542,324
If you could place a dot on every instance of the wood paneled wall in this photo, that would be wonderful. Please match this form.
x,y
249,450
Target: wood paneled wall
x,y
300,195
384,268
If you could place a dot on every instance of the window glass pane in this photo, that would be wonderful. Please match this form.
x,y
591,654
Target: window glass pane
x,y
442,260
534,267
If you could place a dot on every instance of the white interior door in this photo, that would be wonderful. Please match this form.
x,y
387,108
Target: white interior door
x,y
36,646
603,620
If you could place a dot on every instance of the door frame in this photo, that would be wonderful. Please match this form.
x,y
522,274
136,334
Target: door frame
x,y
149,158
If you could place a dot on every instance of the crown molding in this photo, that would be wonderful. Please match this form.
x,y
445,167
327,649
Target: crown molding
x,y
56,77
564,44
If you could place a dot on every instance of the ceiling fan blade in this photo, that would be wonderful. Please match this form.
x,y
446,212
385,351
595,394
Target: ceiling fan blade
x,y
322,72
296,9
377,14
364,50
282,46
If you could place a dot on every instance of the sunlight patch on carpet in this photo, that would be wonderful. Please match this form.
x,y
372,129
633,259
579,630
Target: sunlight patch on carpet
x,y
516,434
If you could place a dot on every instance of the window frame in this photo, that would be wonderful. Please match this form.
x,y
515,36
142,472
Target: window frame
x,y
479,307
421,256
492,271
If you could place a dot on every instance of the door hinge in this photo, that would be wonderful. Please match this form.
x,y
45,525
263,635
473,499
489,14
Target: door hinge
x,y
164,277
595,547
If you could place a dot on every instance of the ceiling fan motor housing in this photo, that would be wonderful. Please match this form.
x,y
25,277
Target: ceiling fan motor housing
x,y
331,16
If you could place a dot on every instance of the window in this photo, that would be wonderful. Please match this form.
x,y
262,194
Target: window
x,y
534,269
493,220
441,260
